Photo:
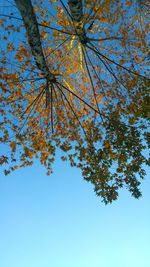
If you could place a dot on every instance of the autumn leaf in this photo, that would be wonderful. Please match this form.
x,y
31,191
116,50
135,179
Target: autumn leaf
x,y
13,146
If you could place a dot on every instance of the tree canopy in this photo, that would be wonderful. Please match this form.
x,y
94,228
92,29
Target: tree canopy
x,y
75,76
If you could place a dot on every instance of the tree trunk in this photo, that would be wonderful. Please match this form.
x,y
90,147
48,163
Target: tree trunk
x,y
76,10
29,18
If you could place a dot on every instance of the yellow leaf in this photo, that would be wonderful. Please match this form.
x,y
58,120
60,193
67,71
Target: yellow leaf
x,y
122,61
13,146
129,3
106,145
44,34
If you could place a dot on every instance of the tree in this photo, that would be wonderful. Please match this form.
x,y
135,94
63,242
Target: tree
x,y
79,82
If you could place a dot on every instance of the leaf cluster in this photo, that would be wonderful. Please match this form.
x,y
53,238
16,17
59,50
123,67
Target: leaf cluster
x,y
76,78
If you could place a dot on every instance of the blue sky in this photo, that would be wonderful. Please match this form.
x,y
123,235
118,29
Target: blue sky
x,y
58,221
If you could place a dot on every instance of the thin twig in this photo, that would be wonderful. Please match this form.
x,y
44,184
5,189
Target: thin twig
x,y
101,116
78,97
117,64
72,109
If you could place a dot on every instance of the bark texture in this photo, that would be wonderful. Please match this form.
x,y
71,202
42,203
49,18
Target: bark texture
x,y
29,18
76,10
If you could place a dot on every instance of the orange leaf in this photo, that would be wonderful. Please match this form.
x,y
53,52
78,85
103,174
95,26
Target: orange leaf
x,y
13,146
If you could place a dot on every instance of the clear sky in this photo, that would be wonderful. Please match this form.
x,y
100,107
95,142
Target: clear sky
x,y
58,221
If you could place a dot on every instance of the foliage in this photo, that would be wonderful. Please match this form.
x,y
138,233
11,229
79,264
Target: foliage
x,y
75,77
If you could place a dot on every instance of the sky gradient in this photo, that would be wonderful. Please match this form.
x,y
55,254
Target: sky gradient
x,y
58,221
